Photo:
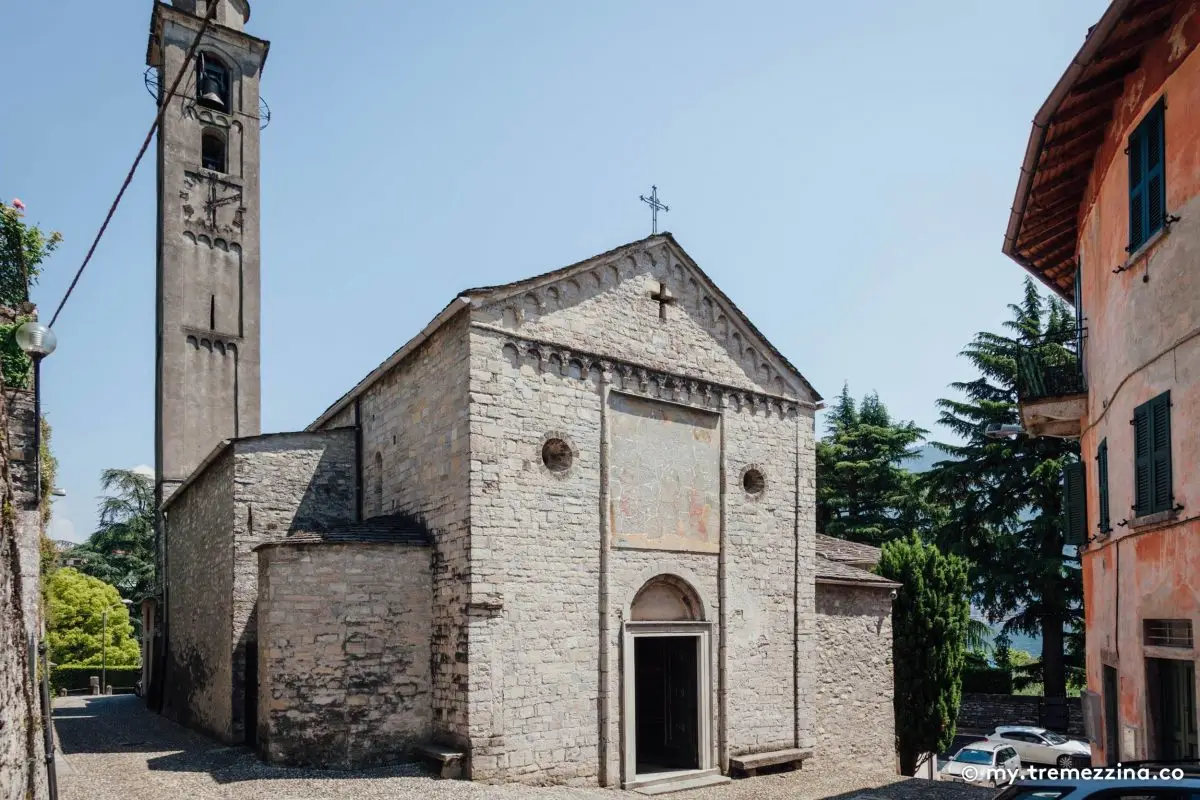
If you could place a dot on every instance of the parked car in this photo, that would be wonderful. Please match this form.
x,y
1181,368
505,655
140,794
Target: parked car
x,y
983,763
1156,787
1040,746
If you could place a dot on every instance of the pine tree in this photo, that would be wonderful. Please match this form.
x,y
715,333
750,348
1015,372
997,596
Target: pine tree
x,y
1003,496
864,494
929,644
121,551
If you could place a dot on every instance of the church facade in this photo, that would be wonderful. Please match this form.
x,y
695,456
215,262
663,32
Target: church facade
x,y
566,530
564,534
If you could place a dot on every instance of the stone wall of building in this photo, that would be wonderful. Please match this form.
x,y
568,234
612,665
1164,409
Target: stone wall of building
x,y
549,593
344,652
198,680
254,490
416,459
22,752
854,685
283,483
28,517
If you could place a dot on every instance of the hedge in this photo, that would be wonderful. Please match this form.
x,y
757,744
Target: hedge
x,y
75,677
989,680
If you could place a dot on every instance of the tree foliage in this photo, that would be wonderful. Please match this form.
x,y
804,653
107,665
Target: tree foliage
x,y
1003,497
121,550
75,629
23,248
929,619
864,494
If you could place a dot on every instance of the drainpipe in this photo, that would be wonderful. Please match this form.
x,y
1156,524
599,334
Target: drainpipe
x,y
605,629
47,724
358,461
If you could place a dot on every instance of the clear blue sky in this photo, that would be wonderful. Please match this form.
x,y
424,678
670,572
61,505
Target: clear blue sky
x,y
843,170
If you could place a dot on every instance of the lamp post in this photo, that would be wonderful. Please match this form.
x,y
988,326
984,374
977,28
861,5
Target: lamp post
x,y
38,341
104,643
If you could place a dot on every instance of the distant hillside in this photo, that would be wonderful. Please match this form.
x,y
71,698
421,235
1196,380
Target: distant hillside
x,y
926,457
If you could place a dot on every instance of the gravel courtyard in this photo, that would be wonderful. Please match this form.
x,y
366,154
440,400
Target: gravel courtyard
x,y
112,748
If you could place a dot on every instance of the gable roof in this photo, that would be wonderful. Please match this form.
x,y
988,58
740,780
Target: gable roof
x,y
1068,132
836,573
489,293
396,528
847,552
482,294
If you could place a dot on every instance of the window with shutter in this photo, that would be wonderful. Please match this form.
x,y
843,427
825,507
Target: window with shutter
x,y
1152,456
1074,504
1105,524
1147,178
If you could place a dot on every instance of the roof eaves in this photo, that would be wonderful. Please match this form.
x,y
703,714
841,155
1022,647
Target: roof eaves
x,y
1096,40
1041,122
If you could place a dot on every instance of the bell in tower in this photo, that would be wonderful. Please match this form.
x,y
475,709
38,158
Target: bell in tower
x,y
213,85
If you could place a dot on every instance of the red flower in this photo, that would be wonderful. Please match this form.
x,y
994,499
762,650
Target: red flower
x,y
17,204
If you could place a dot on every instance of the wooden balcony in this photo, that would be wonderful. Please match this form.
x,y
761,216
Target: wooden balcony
x,y
1051,386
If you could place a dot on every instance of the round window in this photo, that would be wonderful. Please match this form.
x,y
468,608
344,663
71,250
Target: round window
x,y
753,481
557,455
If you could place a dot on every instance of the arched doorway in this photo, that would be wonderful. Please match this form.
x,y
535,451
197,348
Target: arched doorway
x,y
668,694
666,598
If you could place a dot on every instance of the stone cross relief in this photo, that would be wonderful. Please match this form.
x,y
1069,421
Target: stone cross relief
x,y
664,298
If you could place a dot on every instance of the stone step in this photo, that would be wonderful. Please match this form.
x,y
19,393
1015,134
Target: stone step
x,y
450,762
683,784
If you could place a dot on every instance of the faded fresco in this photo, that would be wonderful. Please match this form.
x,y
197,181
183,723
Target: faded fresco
x,y
664,475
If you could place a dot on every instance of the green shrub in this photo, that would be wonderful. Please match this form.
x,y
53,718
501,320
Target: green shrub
x,y
76,677
987,680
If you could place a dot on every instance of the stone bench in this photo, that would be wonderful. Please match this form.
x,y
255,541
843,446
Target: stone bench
x,y
449,762
750,764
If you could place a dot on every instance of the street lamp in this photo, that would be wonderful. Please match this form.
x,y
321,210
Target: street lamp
x,y
104,643
38,341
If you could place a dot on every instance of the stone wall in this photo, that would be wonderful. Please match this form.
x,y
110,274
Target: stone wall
x,y
22,752
344,652
416,459
284,483
254,490
855,684
550,593
198,680
984,712
28,519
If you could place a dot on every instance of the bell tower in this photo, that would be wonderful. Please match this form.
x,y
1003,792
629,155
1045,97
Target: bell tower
x,y
208,301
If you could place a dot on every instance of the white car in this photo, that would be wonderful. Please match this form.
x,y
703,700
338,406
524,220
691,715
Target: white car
x,y
983,763
1040,746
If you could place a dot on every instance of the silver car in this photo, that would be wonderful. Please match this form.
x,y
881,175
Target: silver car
x,y
1131,781
1040,746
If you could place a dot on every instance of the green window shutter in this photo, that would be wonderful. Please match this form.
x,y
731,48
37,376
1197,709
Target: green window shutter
x,y
1137,191
1147,178
1141,460
1105,523
1075,504
1156,187
1162,498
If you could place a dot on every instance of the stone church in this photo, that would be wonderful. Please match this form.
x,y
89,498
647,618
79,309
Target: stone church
x,y
565,533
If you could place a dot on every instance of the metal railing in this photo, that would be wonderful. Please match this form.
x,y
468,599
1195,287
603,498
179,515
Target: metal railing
x,y
1052,366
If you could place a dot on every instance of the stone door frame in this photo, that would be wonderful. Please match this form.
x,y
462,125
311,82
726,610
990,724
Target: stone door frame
x,y
702,632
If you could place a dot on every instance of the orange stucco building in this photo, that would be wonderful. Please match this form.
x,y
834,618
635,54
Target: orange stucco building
x,y
1107,213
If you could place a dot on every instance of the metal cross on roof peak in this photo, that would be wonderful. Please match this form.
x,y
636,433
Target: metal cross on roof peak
x,y
655,207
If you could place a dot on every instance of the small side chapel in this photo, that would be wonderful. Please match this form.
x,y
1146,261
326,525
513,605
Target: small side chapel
x,y
563,534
